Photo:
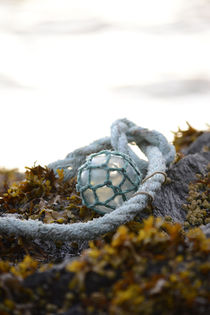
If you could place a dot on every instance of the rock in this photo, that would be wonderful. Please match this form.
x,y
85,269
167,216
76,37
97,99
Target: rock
x,y
199,144
169,200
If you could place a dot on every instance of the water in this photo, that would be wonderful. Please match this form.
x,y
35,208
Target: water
x,y
68,69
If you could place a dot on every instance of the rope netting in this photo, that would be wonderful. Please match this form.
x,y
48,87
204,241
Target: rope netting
x,y
106,180
153,144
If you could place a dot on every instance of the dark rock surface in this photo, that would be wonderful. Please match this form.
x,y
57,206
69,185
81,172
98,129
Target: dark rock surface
x,y
199,145
169,200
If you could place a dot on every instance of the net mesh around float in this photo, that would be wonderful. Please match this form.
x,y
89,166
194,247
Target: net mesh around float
x,y
106,180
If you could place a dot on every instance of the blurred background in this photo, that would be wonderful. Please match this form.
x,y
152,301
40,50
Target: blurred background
x,y
69,68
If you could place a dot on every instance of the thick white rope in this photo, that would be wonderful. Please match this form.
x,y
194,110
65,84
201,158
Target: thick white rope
x,y
159,153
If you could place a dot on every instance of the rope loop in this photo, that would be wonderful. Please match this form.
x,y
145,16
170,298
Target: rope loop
x,y
159,153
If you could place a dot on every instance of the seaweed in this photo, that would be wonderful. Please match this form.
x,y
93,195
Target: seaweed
x,y
7,177
44,196
198,202
183,138
148,266
157,270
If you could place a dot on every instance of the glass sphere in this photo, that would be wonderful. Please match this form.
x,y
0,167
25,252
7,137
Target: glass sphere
x,y
106,180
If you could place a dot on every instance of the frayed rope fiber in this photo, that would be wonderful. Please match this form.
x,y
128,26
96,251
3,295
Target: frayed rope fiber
x,y
159,153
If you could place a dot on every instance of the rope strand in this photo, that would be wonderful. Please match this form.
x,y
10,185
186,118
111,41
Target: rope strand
x,y
159,153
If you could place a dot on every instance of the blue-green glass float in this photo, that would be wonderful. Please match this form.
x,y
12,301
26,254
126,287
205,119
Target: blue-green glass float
x,y
106,180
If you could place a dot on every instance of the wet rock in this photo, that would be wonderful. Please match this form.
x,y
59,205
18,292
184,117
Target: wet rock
x,y
199,145
169,200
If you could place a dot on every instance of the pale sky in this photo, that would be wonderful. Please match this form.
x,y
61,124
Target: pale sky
x,y
68,69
